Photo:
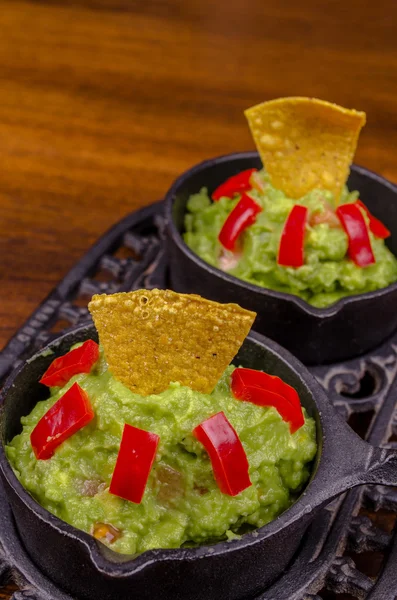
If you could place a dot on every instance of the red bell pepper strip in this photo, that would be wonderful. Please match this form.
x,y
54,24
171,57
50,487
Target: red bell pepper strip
x,y
354,224
242,216
79,360
134,462
286,410
237,184
378,229
291,248
70,413
267,390
228,458
242,377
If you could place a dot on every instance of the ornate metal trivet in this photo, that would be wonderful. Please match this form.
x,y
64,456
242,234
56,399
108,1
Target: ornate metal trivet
x,y
350,550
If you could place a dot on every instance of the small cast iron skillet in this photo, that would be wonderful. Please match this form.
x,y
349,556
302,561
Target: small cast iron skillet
x,y
345,329
228,570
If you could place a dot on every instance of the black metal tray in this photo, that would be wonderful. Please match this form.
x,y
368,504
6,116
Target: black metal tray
x,y
351,547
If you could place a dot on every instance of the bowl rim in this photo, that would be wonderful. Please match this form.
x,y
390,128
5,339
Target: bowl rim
x,y
328,424
327,312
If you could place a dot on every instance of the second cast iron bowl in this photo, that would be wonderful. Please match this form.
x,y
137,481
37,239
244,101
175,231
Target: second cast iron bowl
x,y
229,570
345,329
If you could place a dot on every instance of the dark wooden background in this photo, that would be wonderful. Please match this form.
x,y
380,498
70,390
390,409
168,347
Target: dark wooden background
x,y
104,102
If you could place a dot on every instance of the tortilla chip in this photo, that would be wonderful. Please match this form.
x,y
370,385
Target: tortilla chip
x,y
153,337
305,143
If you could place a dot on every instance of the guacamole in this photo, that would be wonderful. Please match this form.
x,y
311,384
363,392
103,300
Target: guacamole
x,y
182,503
328,273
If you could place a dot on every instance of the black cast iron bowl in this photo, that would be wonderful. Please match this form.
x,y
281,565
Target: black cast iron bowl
x,y
228,570
348,328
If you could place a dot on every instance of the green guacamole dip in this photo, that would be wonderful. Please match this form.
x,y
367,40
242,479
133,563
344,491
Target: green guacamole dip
x,y
182,503
327,275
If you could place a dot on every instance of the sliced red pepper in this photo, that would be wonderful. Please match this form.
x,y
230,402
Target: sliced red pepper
x,y
228,458
354,224
79,360
286,410
378,229
134,462
242,216
242,376
237,184
70,413
267,390
291,248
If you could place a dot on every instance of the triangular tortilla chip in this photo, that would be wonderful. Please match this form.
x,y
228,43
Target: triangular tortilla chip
x,y
153,337
305,143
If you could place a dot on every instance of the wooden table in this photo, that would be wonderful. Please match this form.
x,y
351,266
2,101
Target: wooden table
x,y
104,102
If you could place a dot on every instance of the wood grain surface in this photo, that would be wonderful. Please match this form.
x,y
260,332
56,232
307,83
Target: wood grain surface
x,y
104,102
